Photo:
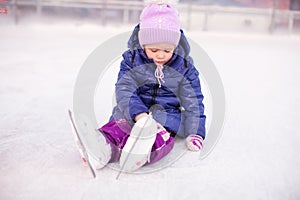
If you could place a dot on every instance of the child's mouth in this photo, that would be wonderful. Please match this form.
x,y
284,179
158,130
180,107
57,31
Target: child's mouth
x,y
159,62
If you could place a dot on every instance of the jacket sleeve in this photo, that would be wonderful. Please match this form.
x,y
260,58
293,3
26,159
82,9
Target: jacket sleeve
x,y
191,100
128,101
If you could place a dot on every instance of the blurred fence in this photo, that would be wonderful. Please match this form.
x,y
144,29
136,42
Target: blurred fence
x,y
199,17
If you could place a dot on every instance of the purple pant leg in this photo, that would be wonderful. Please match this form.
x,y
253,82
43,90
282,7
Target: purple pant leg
x,y
160,148
117,132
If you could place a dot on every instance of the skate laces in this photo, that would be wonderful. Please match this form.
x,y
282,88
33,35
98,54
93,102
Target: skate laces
x,y
159,74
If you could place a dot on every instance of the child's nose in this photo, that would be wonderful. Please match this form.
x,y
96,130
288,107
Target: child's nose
x,y
160,54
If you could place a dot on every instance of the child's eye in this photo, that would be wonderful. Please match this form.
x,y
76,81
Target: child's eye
x,y
154,50
168,50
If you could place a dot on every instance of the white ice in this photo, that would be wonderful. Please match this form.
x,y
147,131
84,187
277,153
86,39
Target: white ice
x,y
257,156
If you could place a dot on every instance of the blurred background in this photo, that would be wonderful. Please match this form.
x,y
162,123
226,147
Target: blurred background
x,y
267,16
255,47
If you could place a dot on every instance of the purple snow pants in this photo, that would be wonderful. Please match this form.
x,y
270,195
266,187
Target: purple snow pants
x,y
117,132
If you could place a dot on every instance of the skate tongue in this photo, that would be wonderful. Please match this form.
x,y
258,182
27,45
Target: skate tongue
x,y
144,129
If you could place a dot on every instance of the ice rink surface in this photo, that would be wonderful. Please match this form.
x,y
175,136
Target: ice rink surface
x,y
257,156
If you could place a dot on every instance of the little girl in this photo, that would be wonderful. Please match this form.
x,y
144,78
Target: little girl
x,y
157,81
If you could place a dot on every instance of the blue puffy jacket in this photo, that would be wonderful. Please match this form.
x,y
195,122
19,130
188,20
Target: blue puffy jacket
x,y
177,104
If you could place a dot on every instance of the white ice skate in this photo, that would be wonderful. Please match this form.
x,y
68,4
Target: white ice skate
x,y
91,144
137,149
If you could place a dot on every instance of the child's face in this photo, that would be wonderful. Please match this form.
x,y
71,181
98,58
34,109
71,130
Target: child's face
x,y
161,53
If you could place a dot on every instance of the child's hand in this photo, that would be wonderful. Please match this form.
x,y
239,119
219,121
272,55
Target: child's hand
x,y
194,142
139,116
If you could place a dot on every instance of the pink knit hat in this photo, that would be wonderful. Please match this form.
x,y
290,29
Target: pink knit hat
x,y
159,23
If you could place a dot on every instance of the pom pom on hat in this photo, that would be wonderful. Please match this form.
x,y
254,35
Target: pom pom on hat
x,y
171,2
159,23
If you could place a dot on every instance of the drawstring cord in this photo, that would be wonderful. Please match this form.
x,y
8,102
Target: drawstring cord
x,y
159,74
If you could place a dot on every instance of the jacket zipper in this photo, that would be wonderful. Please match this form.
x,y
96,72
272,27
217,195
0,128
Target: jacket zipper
x,y
155,94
